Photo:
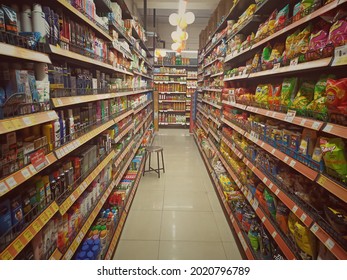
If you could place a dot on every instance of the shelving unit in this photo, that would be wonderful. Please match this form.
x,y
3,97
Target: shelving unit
x,y
236,120
118,122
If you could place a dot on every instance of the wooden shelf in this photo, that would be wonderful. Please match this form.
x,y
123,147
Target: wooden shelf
x,y
68,202
213,89
171,82
77,13
212,104
312,65
142,106
235,78
169,74
215,120
236,105
172,101
73,145
17,178
28,234
81,58
143,122
172,92
20,122
301,121
217,74
232,147
142,75
211,132
88,223
21,53
235,54
336,129
336,188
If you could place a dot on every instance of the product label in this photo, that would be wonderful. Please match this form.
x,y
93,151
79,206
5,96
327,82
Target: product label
x,y
38,159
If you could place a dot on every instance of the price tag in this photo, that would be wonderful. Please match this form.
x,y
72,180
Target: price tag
x,y
263,219
262,144
52,115
18,245
271,186
303,121
36,226
294,62
274,234
303,217
329,243
28,235
314,228
3,188
25,172
264,180
249,196
290,116
328,128
277,192
340,57
11,182
255,204
294,209
32,169
286,159
27,121
268,113
315,125
292,163
273,151
59,101
276,66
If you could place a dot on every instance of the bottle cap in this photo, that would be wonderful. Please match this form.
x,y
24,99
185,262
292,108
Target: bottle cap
x,y
90,255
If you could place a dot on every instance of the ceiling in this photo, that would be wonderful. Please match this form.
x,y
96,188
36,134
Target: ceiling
x,y
202,10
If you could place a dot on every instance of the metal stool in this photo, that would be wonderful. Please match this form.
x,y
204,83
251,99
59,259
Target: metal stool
x,y
148,152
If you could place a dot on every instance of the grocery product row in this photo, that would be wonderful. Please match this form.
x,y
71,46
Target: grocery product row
x,y
75,185
172,119
174,87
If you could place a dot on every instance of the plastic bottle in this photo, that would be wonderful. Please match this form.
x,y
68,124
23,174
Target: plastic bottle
x,y
56,129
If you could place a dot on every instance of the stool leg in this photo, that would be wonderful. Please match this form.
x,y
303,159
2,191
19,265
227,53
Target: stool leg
x,y
149,166
162,160
144,167
158,165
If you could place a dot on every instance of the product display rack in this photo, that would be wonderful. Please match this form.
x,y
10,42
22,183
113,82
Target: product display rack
x,y
137,115
171,115
315,221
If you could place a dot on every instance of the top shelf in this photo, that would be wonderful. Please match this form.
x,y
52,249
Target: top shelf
x,y
21,53
125,11
102,7
84,18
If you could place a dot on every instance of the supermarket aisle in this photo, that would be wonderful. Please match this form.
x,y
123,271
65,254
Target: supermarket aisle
x,y
177,216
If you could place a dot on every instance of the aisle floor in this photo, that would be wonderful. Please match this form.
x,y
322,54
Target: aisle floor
x,y
177,216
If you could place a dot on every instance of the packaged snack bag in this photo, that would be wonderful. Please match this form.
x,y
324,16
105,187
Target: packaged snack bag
x,y
338,33
336,93
270,202
275,95
262,92
282,217
304,95
276,53
337,217
333,150
301,43
308,141
305,240
282,17
288,91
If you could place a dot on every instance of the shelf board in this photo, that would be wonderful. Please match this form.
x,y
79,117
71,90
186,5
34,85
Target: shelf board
x,y
300,121
215,120
172,92
211,62
88,223
211,132
169,74
335,129
212,104
141,107
116,236
333,187
213,89
81,58
68,202
232,147
73,145
20,122
21,53
13,180
77,13
56,255
171,82
172,111
172,101
235,54
217,74
235,127
143,122
236,105
247,27
102,6
235,78
316,64
327,240
142,75
24,238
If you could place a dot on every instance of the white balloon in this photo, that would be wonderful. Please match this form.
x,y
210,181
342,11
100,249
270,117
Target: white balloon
x,y
175,36
173,19
175,46
190,17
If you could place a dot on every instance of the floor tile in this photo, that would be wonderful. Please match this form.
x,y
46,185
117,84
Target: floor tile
x,y
137,250
223,227
142,225
231,250
186,201
214,202
150,200
183,182
189,226
187,250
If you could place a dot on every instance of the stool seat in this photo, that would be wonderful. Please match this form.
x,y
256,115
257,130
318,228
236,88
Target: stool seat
x,y
153,149
148,154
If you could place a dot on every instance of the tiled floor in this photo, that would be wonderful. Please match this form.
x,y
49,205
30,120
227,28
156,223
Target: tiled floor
x,y
177,216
